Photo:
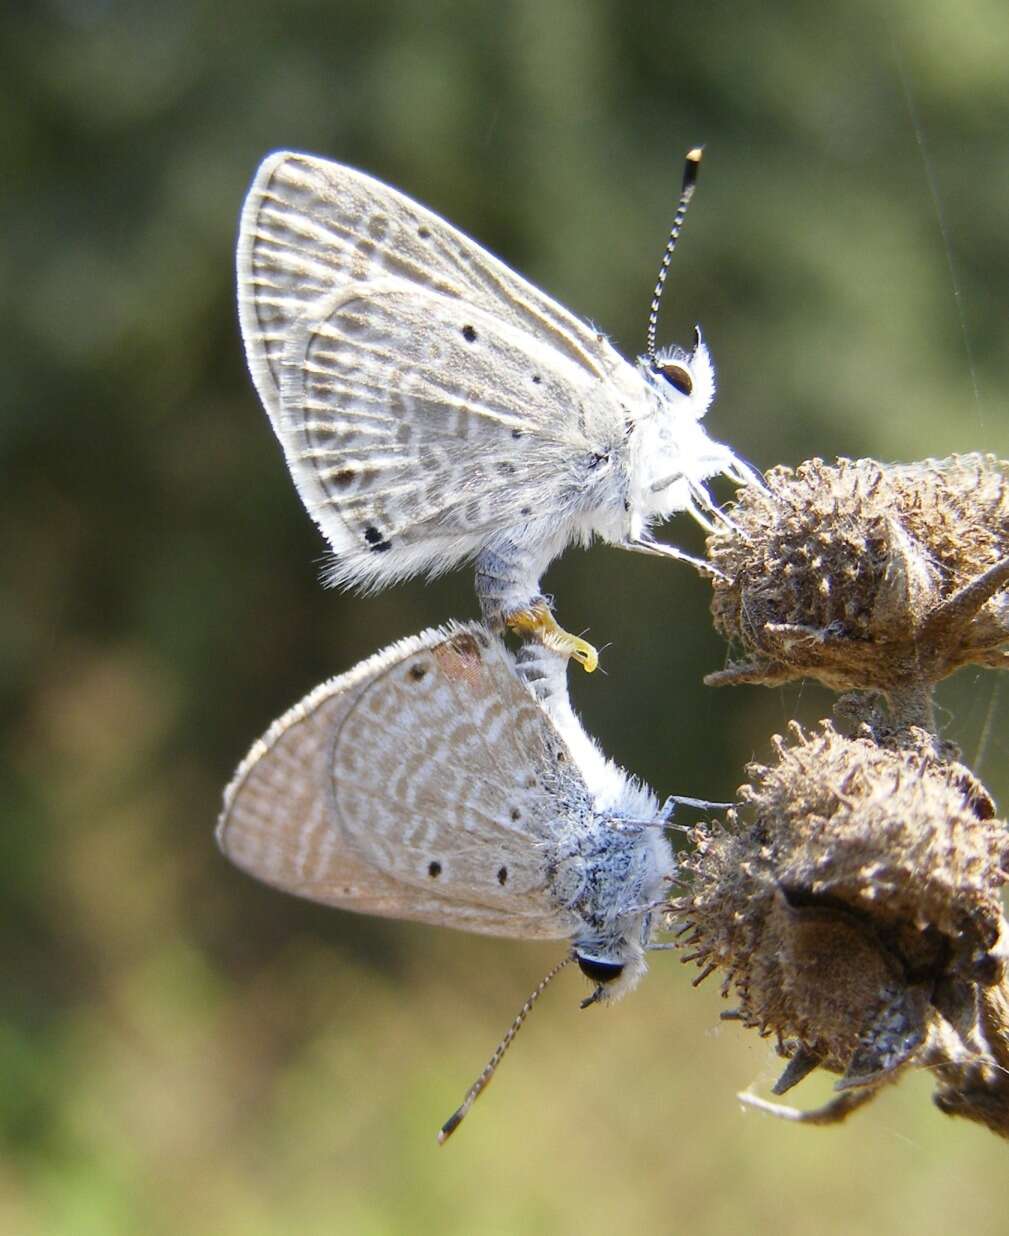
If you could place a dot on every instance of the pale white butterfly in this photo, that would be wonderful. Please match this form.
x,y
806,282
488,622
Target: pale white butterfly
x,y
434,407
442,782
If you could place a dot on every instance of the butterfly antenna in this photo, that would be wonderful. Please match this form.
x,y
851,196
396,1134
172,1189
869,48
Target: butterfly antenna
x,y
693,163
483,1081
698,804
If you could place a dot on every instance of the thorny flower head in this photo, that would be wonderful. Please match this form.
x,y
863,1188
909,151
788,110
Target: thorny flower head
x,y
865,576
853,906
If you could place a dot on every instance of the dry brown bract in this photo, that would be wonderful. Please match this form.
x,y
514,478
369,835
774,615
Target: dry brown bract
x,y
854,907
865,576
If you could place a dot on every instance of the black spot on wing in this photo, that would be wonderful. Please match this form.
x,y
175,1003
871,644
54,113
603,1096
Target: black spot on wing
x,y
376,541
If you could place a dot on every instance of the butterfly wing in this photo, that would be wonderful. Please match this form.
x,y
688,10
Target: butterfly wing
x,y
425,785
427,397
310,227
418,428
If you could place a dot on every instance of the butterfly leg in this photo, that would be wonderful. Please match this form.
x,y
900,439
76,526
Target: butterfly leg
x,y
507,580
660,550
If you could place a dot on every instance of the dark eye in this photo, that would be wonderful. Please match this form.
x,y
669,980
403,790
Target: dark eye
x,y
599,971
678,376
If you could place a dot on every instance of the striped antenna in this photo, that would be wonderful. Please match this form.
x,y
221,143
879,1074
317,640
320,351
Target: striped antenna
x,y
481,1083
693,163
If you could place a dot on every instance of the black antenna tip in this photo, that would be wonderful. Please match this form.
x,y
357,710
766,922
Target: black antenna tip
x,y
691,167
450,1126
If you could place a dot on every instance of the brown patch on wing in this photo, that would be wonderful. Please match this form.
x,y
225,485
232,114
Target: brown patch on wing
x,y
460,658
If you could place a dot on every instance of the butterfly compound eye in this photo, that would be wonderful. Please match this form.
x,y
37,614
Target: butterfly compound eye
x,y
599,971
678,376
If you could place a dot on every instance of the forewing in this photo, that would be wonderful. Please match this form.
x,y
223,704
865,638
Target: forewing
x,y
310,227
423,785
416,426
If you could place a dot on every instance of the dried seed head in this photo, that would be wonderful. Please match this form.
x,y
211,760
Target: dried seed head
x,y
865,575
861,878
968,1054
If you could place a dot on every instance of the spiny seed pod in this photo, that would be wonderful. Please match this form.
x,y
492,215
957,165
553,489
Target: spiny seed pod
x,y
969,1056
862,881
864,575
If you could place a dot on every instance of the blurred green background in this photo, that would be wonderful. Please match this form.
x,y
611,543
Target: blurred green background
x,y
184,1051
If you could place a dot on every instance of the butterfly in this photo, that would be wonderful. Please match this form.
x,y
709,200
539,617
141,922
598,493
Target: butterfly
x,y
434,407
443,781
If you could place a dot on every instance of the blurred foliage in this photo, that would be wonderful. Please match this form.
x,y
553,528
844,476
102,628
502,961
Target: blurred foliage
x,y
185,1051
